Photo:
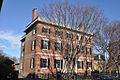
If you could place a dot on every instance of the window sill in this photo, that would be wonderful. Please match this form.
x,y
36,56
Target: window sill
x,y
44,68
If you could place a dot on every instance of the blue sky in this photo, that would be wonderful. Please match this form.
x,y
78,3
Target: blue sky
x,y
16,14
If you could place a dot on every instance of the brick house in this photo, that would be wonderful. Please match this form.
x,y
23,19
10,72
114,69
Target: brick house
x,y
44,44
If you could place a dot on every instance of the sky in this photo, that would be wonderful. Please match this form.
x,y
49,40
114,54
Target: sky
x,y
16,15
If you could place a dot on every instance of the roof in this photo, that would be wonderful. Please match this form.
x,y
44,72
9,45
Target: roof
x,y
38,19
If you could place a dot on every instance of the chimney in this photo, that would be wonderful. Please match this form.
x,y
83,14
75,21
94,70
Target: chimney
x,y
34,13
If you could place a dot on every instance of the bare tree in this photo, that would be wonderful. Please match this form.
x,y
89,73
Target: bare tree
x,y
73,16
107,40
86,19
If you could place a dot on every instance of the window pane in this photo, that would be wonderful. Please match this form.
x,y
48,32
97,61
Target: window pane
x,y
45,30
35,30
69,35
69,47
80,64
32,61
89,64
43,63
57,63
58,33
33,44
45,44
58,46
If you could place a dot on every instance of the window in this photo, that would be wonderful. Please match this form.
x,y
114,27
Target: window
x,y
22,52
87,50
58,33
89,64
33,44
23,44
34,30
32,63
44,63
69,35
58,46
58,63
80,64
46,30
77,37
82,48
45,44
69,47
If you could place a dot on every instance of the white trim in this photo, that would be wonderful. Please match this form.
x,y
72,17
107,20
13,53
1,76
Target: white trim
x,y
80,59
31,24
45,39
45,57
46,26
48,54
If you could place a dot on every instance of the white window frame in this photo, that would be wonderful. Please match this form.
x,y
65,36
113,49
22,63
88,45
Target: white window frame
x,y
46,28
60,63
32,63
33,44
46,63
34,31
60,44
47,40
81,66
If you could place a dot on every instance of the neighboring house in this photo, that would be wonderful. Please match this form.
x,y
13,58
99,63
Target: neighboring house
x,y
99,62
44,44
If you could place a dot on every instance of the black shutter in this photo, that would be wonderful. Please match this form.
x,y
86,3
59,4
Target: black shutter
x,y
35,44
87,65
40,62
48,63
91,65
55,46
61,46
48,45
90,51
33,62
77,64
30,63
49,31
54,63
41,44
86,50
61,64
74,61
82,64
